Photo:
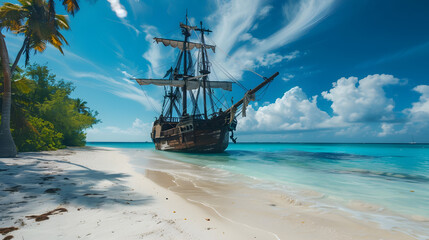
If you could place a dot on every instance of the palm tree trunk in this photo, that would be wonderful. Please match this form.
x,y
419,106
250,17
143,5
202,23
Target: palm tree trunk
x,y
18,56
7,145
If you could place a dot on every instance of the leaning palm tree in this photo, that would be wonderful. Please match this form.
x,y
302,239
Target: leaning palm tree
x,y
34,20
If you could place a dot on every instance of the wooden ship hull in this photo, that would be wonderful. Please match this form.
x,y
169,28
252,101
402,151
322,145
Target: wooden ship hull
x,y
192,134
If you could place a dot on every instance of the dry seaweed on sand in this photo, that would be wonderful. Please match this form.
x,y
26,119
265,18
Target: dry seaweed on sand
x,y
7,230
45,216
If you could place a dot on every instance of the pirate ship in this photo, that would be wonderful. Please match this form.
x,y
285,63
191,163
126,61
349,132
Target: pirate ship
x,y
199,130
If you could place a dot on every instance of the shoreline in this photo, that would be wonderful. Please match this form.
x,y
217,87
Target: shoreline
x,y
104,188
276,212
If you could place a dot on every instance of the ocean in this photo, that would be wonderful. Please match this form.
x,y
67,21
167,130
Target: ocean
x,y
387,183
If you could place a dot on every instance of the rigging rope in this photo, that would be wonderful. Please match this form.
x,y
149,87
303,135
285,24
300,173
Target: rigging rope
x,y
220,66
150,102
229,75
227,55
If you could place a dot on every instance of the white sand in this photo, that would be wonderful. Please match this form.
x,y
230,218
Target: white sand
x,y
119,203
106,198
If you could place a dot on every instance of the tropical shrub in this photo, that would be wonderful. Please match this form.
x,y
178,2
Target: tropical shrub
x,y
44,116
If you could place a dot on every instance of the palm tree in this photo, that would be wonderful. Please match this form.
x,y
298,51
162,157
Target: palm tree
x,y
81,106
39,24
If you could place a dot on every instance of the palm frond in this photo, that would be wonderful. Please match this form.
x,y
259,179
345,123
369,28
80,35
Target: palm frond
x,y
36,19
62,22
71,6
11,16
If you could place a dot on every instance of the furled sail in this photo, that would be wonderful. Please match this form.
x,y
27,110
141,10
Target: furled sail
x,y
179,44
190,84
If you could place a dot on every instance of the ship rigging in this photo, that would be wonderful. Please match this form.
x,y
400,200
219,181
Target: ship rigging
x,y
205,130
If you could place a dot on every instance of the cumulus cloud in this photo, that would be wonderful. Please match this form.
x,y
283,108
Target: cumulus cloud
x,y
118,8
362,100
387,129
360,109
418,115
420,109
294,111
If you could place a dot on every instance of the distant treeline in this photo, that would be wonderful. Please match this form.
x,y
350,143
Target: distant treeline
x,y
44,116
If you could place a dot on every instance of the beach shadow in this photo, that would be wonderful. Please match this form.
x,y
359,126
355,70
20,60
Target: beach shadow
x,y
38,179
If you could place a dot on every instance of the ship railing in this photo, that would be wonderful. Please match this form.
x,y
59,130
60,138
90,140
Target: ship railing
x,y
177,119
170,119
199,117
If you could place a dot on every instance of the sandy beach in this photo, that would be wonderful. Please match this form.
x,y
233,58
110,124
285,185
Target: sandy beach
x,y
100,193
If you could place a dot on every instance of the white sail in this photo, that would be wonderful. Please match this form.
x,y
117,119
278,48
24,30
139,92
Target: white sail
x,y
161,82
190,84
179,44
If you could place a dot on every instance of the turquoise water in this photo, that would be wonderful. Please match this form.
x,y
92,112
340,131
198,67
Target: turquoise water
x,y
386,176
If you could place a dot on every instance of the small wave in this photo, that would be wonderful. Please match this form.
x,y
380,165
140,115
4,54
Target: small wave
x,y
331,155
386,175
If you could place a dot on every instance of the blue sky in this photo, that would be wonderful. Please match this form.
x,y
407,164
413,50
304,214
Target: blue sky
x,y
350,71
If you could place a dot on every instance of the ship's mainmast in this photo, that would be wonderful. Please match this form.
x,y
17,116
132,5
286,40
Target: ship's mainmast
x,y
205,65
186,33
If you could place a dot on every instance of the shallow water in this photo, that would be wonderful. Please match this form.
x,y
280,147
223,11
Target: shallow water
x,y
390,178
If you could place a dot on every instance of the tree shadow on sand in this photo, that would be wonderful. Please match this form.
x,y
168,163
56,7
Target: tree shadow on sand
x,y
37,179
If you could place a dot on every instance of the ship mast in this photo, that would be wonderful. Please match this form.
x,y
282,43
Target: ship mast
x,y
186,33
205,68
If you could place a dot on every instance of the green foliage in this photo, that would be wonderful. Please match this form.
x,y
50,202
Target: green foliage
x,y
44,116
39,135
62,112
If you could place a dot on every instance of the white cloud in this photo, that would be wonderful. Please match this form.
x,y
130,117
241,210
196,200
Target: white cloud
x,y
272,58
417,116
124,89
361,112
387,129
130,26
118,8
365,102
264,11
420,110
287,77
294,111
156,54
236,18
137,132
245,37
126,74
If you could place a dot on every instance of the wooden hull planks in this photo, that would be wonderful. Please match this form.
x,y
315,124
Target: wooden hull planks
x,y
192,135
